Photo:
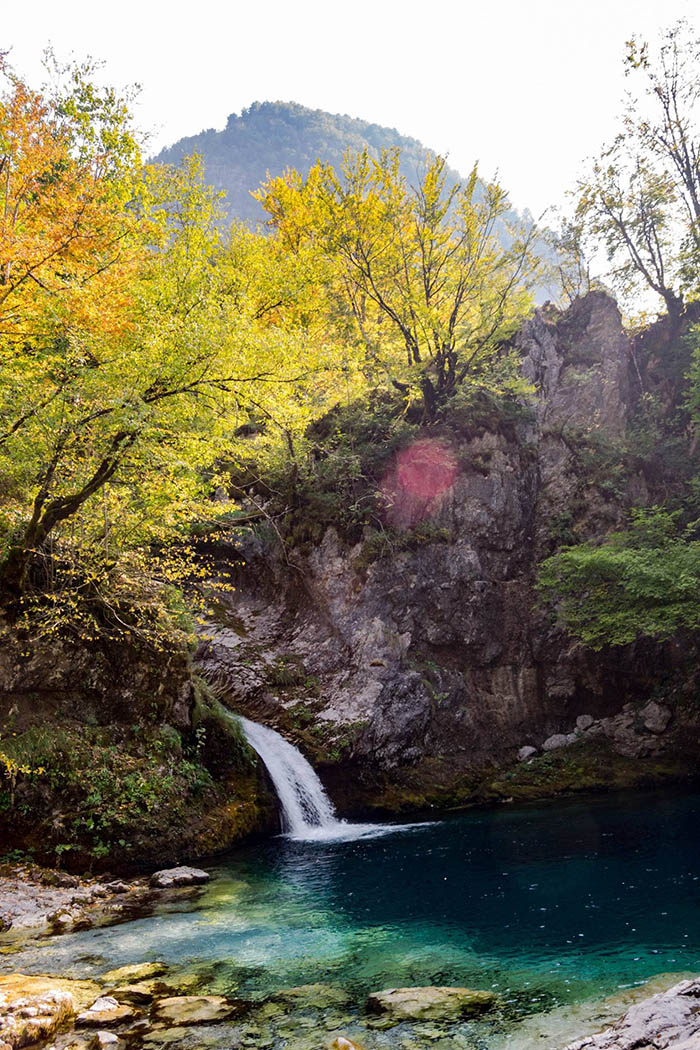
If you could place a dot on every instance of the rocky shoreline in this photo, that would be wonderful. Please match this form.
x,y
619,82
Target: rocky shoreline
x,y
153,1004
35,899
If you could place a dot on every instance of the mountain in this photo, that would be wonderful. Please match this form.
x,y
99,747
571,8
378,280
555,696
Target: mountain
x,y
272,136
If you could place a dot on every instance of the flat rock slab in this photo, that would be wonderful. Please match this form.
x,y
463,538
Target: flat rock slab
x,y
433,1001
197,1009
182,876
669,1019
135,973
105,1012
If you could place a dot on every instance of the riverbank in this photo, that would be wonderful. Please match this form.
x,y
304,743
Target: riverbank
x,y
36,900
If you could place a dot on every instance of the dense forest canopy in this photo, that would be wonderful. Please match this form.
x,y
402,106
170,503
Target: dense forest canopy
x,y
147,346
139,340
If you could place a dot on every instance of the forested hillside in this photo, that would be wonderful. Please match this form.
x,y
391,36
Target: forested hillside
x,y
269,137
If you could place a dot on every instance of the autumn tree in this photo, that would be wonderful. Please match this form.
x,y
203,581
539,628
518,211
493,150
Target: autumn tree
x,y
130,357
641,199
421,270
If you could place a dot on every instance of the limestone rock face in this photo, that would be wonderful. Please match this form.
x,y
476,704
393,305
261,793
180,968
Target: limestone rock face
x,y
431,1002
669,1019
170,878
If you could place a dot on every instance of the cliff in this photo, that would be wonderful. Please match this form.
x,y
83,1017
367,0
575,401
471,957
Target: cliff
x,y
414,664
411,659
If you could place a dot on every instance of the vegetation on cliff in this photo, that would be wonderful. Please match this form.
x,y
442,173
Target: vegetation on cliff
x,y
641,202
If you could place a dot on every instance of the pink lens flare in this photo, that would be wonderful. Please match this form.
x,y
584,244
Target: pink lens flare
x,y
418,479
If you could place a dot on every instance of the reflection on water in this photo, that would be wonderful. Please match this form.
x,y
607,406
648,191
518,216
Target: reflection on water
x,y
545,904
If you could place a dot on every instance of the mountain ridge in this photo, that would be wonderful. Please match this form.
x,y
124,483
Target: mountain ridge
x,y
268,137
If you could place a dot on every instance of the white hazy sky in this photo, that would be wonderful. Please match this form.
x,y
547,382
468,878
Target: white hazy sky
x,y
528,87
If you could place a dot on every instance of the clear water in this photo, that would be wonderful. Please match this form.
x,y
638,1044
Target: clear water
x,y
548,905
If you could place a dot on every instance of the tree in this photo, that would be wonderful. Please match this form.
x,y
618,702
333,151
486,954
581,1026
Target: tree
x,y
128,358
430,289
642,582
641,200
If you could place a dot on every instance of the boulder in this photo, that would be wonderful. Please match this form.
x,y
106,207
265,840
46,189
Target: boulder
x,y
555,741
139,994
432,1002
526,752
180,876
104,1041
197,1009
584,722
669,1019
655,717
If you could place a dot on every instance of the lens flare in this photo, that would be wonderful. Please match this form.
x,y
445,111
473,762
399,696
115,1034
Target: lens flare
x,y
418,480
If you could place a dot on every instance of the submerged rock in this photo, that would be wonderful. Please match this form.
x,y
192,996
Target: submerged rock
x,y
669,1019
135,973
180,876
197,1009
318,995
433,1002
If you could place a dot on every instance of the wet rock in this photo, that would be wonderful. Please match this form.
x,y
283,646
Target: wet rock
x,y
136,973
555,741
138,994
105,1012
431,1002
169,878
117,887
342,1043
319,995
104,1041
197,1009
162,1036
29,1018
526,752
655,717
34,897
669,1019
65,919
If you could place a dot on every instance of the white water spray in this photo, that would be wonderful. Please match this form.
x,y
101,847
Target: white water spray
x,y
307,811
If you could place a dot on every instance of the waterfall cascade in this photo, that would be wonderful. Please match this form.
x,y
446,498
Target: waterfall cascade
x,y
307,811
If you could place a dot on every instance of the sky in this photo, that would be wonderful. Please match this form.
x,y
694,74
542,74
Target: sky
x,y
529,88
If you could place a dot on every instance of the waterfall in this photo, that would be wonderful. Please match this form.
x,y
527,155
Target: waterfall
x,y
305,805
307,811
